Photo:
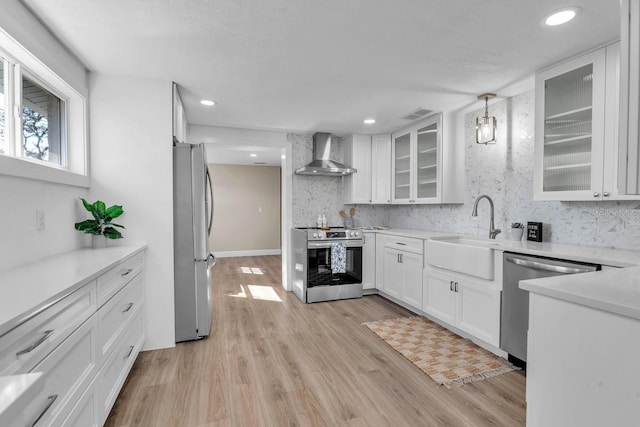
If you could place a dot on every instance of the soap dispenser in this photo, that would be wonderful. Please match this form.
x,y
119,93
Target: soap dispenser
x,y
319,221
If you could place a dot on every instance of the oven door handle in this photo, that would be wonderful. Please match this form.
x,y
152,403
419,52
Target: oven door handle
x,y
323,245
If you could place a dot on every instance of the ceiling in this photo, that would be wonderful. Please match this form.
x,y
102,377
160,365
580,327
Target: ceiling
x,y
241,155
309,65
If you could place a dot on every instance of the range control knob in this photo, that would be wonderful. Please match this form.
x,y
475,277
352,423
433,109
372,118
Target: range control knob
x,y
315,235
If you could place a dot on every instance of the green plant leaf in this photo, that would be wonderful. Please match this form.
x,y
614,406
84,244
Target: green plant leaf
x,y
111,224
100,208
114,211
89,226
112,233
87,205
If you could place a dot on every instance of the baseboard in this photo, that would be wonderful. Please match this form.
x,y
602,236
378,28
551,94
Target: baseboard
x,y
256,252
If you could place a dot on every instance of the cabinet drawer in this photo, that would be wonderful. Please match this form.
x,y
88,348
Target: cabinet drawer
x,y
114,280
67,373
86,412
115,315
27,345
118,364
404,244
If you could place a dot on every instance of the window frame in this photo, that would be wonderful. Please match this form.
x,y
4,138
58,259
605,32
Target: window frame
x,y
73,169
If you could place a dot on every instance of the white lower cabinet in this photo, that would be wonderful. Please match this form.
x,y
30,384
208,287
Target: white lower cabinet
x,y
67,372
466,304
369,261
84,345
402,269
117,367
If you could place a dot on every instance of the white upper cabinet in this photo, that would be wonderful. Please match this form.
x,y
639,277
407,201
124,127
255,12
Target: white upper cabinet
x,y
357,154
381,167
371,156
629,154
427,163
577,128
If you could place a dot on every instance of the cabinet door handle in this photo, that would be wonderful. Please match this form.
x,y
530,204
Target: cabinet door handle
x,y
50,400
456,286
596,194
400,258
126,356
605,194
127,307
36,344
451,285
129,270
401,244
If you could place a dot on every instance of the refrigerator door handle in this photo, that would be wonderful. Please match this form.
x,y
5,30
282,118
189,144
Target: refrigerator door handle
x,y
211,198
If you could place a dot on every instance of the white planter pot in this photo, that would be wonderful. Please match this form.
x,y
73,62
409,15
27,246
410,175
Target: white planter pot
x,y
516,233
98,241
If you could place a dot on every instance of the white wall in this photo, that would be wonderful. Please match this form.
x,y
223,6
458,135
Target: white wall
x,y
132,164
246,217
20,242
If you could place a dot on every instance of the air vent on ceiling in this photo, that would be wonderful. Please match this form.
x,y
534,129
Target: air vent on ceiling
x,y
416,114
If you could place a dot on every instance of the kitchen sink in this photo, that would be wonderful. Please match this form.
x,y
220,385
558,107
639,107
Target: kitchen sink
x,y
467,255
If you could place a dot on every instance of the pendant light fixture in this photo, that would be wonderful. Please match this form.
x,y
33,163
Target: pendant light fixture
x,y
486,126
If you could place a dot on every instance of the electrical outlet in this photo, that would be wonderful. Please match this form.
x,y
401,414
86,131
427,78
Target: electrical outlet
x,y
40,220
260,209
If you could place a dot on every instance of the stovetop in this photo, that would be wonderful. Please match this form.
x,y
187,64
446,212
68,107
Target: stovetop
x,y
333,233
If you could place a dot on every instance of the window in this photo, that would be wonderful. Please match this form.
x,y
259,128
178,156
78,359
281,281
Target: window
x,y
42,123
42,120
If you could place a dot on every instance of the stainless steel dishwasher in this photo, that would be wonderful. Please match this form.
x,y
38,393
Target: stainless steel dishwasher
x,y
515,301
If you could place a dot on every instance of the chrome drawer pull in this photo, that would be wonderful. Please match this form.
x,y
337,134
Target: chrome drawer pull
x,y
33,346
129,353
128,307
401,244
50,401
129,270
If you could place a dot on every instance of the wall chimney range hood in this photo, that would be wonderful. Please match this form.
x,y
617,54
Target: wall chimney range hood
x,y
321,164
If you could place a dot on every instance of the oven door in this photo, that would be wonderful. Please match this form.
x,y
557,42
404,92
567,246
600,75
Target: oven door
x,y
319,264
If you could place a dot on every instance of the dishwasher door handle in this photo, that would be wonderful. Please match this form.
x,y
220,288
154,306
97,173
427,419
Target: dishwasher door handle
x,y
547,267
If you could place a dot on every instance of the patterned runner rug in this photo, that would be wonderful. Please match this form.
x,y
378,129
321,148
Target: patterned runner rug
x,y
446,357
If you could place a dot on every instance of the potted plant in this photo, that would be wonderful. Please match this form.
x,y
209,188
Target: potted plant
x,y
101,227
517,228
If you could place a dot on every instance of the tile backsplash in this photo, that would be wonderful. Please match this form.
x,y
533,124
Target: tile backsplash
x,y
503,171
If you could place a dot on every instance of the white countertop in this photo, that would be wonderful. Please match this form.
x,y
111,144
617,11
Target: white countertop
x,y
616,291
17,391
32,287
590,254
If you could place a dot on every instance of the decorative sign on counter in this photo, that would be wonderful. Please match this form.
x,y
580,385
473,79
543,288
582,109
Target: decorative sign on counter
x,y
534,231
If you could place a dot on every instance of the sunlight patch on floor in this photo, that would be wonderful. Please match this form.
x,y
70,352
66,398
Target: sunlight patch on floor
x,y
251,270
264,293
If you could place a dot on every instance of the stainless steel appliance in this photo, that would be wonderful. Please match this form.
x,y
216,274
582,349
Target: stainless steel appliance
x,y
515,301
313,279
192,220
322,163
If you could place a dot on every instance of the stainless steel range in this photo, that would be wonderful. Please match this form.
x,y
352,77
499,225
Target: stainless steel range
x,y
313,277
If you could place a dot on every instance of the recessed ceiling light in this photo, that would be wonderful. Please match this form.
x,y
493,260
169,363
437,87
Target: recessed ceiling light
x,y
208,102
561,16
369,121
253,155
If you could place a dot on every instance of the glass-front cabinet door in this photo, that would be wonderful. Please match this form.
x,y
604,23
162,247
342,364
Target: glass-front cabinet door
x,y
402,170
569,148
416,162
427,136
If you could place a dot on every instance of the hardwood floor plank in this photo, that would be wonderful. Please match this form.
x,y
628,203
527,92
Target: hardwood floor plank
x,y
273,361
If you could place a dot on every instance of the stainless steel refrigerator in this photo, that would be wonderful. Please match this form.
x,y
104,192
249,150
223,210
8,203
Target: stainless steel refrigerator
x,y
192,220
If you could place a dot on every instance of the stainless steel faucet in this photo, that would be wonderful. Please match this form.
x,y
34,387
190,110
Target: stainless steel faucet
x,y
493,232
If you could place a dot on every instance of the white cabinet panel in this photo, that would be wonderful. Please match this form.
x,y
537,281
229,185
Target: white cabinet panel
x,y
381,169
357,154
473,307
439,300
392,272
402,269
369,261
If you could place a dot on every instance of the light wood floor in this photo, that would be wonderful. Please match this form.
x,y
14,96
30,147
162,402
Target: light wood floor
x,y
273,361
